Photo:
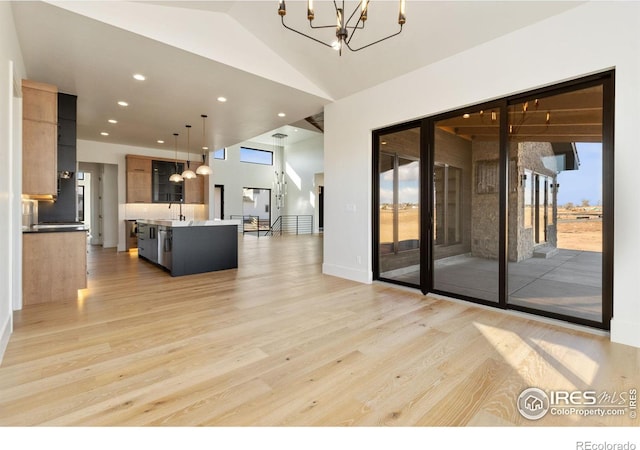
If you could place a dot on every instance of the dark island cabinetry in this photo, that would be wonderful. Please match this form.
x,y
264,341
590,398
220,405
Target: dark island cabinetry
x,y
185,248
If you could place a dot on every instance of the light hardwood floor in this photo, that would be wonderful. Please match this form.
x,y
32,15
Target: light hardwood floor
x,y
275,342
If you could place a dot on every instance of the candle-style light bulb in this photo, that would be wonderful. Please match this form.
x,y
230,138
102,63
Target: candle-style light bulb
x,y
402,19
282,8
310,14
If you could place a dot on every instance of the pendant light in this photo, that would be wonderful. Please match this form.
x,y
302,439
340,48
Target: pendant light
x,y
176,177
188,174
204,169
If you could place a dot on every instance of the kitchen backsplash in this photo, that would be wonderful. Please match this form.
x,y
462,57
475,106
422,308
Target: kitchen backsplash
x,y
162,211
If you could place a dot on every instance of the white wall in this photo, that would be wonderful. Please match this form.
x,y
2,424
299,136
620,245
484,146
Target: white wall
x,y
11,72
235,175
303,160
589,38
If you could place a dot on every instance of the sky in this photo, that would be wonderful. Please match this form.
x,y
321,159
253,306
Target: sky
x,y
408,185
585,183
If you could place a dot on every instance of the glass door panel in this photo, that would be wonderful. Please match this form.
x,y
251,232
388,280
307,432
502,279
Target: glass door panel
x,y
555,265
399,206
466,205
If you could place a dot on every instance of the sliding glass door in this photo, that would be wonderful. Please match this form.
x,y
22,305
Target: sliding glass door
x,y
466,204
508,203
398,206
556,203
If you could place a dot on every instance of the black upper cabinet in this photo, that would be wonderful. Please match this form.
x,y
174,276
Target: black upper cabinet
x,y
64,208
66,132
67,106
165,191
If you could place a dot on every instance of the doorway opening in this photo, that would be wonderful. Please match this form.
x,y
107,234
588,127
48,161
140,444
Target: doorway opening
x,y
256,210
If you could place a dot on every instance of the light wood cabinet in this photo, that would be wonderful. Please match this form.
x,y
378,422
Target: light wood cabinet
x,y
39,101
54,266
194,188
138,164
39,158
138,179
39,139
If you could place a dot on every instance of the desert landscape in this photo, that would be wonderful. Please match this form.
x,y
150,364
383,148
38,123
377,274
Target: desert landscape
x,y
579,228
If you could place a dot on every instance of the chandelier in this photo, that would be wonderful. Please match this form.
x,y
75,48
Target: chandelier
x,y
279,181
346,26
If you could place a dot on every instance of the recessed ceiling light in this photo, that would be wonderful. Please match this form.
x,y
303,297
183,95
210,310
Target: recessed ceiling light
x,y
465,116
205,148
123,103
113,121
104,133
281,114
383,142
160,141
139,77
222,99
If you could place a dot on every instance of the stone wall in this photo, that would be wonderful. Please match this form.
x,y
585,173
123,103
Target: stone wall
x,y
528,156
484,199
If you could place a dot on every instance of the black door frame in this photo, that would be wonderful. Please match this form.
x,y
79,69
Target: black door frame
x,y
221,186
376,202
427,144
321,208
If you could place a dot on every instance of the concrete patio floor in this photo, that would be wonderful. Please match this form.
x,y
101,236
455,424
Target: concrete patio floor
x,y
568,283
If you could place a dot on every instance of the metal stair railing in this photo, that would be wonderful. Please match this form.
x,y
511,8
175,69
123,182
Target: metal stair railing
x,y
291,224
252,224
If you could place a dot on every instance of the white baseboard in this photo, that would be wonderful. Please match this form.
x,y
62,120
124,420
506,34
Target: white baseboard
x,y
624,332
5,334
361,276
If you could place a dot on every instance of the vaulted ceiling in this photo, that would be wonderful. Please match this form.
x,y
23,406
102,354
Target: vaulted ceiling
x,y
194,52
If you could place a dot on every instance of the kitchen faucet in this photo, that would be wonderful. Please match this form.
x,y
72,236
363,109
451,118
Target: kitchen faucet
x,y
182,218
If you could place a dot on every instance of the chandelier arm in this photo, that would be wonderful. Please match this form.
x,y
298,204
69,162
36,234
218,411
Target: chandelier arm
x,y
354,31
302,34
315,27
372,43
356,26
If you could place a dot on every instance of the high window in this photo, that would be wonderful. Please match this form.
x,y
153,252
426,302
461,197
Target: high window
x,y
220,153
255,156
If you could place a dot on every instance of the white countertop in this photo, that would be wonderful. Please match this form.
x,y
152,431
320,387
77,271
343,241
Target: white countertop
x,y
189,223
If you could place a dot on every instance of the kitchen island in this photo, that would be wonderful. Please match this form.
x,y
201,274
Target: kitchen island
x,y
189,247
